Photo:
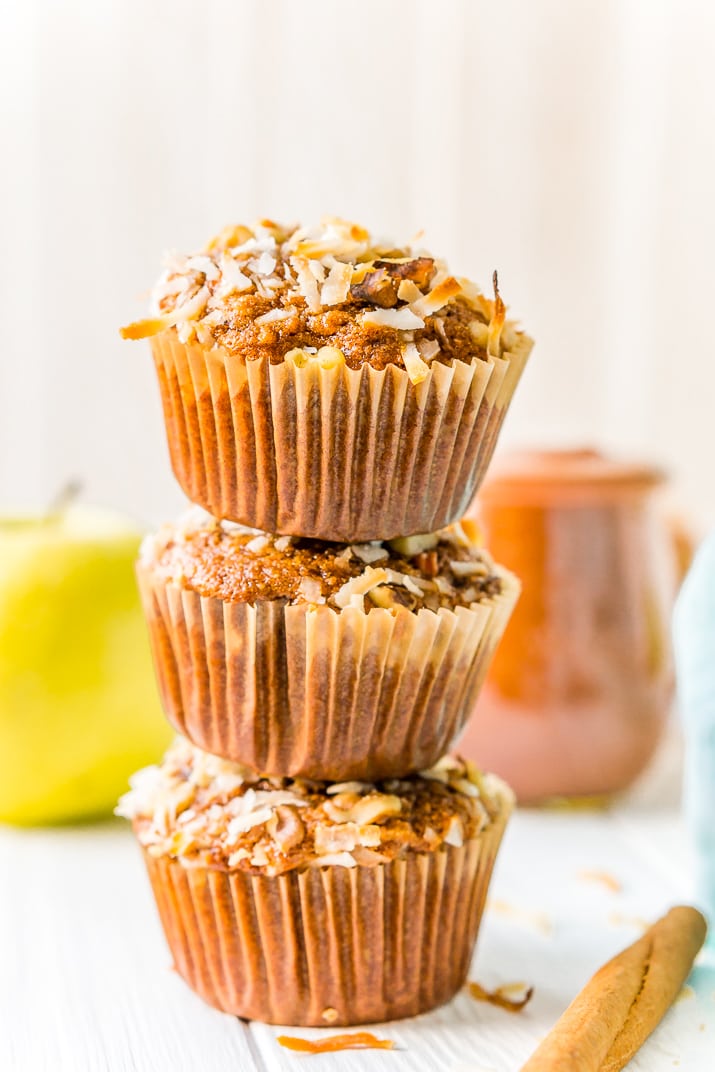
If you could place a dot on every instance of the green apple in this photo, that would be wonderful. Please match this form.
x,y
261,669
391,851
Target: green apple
x,y
79,709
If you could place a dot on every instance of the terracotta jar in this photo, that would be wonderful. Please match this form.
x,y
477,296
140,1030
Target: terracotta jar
x,y
581,685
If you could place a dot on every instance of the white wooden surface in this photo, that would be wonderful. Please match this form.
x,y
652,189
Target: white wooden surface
x,y
570,145
86,983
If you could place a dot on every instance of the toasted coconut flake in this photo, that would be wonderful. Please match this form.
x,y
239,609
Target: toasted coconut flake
x,y
230,236
334,859
409,546
263,265
273,316
336,287
336,237
423,583
232,278
144,329
268,287
468,569
415,367
283,543
194,307
342,838
470,290
189,310
367,810
496,323
242,823
307,283
359,586
318,270
258,544
479,332
609,881
409,292
455,832
369,552
442,293
428,348
310,590
440,771
403,319
464,533
501,995
236,857
347,787
205,265
466,787
357,1040
171,288
404,579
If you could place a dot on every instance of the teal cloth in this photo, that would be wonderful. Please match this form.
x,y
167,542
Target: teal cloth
x,y
694,643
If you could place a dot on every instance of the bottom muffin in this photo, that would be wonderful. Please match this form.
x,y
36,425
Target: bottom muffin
x,y
307,903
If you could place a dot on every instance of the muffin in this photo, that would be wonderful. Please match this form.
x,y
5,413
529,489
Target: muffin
x,y
308,903
317,382
328,661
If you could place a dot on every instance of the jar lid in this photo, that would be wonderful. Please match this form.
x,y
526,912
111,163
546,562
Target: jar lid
x,y
585,473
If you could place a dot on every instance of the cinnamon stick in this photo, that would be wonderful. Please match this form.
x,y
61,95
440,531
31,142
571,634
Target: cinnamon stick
x,y
617,1010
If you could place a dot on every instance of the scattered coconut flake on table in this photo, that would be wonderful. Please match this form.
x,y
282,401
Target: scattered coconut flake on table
x,y
358,1040
501,996
618,919
538,920
604,878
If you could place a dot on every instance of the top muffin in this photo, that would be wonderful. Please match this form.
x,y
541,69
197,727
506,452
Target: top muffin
x,y
318,382
332,292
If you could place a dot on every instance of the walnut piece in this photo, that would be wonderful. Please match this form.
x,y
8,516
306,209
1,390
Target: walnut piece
x,y
286,827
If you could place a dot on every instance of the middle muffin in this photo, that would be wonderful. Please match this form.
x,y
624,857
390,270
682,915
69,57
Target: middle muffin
x,y
327,661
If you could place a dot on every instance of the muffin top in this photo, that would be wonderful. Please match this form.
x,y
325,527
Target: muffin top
x,y
239,565
327,294
207,811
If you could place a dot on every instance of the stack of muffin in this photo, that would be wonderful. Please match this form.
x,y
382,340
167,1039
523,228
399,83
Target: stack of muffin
x,y
315,856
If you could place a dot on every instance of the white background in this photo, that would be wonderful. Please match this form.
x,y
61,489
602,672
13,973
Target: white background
x,y
569,144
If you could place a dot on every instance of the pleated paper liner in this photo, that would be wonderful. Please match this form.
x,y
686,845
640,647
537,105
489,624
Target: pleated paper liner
x,y
332,453
307,690
333,945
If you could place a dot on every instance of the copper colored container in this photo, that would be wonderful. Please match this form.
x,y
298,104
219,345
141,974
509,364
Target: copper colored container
x,y
581,685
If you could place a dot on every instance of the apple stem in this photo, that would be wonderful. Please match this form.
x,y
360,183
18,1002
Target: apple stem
x,y
64,498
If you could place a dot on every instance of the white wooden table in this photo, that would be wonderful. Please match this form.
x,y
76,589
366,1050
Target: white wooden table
x,y
86,983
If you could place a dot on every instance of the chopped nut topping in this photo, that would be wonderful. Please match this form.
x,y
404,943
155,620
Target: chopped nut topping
x,y
270,291
285,827
378,288
445,569
207,811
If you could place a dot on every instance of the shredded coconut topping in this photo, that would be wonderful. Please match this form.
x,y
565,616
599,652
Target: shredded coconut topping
x,y
337,266
207,811
445,569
